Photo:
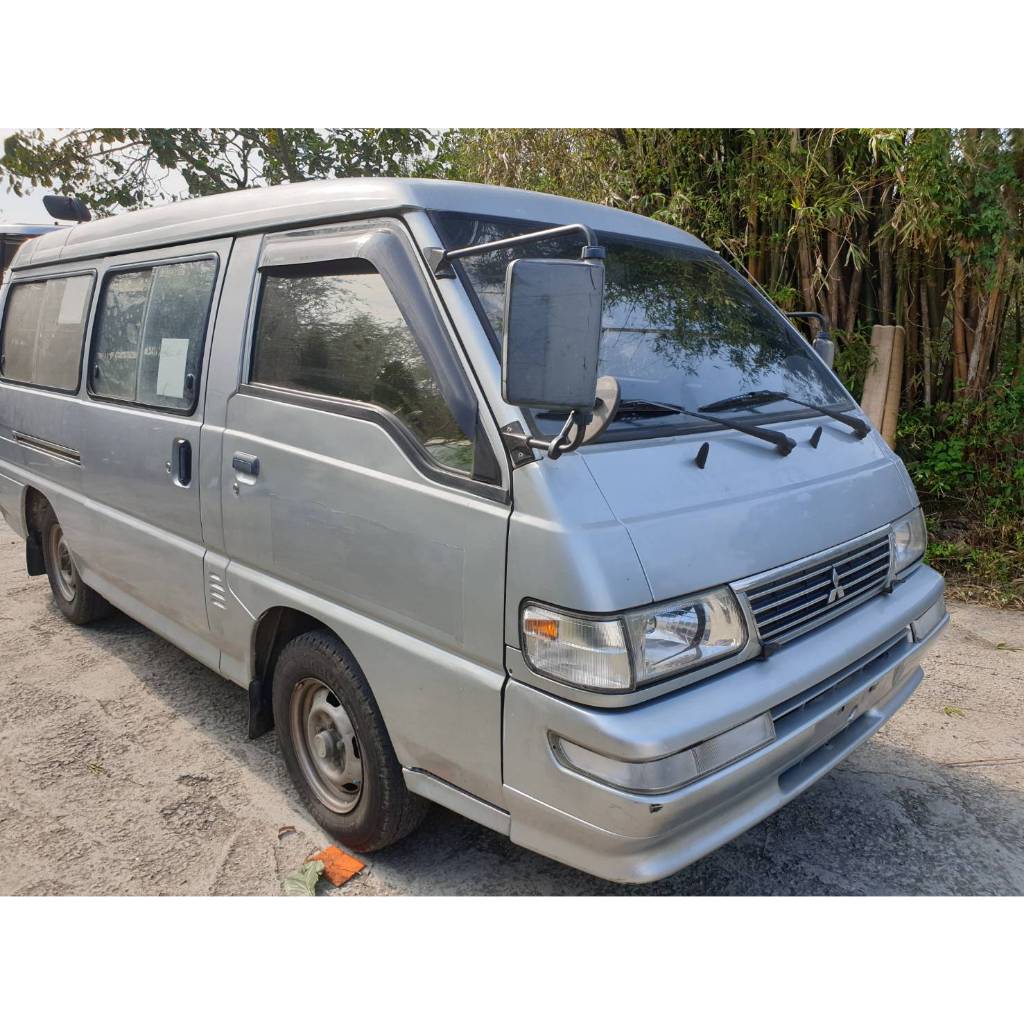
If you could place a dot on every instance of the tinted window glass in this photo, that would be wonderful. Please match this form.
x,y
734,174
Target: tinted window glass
x,y
44,328
335,329
150,328
679,327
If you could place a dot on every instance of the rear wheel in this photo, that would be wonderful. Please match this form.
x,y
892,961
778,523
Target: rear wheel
x,y
76,600
336,747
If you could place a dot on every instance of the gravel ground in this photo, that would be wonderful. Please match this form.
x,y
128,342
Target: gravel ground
x,y
125,770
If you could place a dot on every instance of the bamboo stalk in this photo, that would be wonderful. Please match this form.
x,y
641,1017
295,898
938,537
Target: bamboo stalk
x,y
926,353
985,328
959,327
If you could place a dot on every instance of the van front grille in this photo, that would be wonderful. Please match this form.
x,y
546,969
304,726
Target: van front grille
x,y
787,605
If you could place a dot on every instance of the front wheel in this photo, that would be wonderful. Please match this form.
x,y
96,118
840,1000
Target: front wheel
x,y
76,599
336,747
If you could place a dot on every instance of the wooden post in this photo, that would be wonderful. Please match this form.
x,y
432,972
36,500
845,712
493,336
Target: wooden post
x,y
876,383
883,383
893,393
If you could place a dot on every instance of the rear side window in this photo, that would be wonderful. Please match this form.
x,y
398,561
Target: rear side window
x,y
43,332
148,342
335,329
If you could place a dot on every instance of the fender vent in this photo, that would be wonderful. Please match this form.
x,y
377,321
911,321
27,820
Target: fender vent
x,y
216,591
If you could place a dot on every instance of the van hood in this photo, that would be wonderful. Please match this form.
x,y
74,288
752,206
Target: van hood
x,y
749,509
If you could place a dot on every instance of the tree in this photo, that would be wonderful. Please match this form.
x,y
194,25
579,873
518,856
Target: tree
x,y
114,169
924,227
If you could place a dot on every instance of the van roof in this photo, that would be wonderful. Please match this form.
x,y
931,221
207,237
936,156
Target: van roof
x,y
311,202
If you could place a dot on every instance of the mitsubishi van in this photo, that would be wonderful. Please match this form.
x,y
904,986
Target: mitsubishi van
x,y
529,507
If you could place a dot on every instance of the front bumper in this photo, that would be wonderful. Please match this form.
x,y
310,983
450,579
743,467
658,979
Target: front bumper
x,y
828,691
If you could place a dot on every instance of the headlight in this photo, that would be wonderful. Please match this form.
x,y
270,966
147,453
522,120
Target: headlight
x,y
624,651
670,637
910,538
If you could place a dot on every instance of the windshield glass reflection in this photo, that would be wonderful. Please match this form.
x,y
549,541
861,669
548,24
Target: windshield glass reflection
x,y
679,326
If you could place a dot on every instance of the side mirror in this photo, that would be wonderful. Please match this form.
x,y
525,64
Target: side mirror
x,y
823,343
826,348
552,333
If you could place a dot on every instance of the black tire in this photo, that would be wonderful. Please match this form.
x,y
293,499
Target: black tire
x,y
384,810
77,600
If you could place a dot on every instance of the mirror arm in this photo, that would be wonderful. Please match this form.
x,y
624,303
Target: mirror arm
x,y
439,260
823,324
561,444
589,425
519,444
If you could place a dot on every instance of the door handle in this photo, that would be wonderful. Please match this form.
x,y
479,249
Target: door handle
x,y
248,464
181,462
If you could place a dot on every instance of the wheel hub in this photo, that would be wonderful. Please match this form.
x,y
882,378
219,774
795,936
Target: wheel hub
x,y
326,746
64,564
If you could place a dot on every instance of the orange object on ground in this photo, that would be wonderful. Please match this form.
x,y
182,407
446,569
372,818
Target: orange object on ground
x,y
339,867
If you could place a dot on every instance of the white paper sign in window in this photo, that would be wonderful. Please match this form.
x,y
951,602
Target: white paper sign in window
x,y
170,375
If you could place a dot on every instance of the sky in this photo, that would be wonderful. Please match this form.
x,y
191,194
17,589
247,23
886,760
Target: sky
x,y
21,209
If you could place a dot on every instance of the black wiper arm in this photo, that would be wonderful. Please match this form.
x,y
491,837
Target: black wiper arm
x,y
636,407
743,400
855,423
752,398
783,442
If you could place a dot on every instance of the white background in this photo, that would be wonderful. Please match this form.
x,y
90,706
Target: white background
x,y
533,960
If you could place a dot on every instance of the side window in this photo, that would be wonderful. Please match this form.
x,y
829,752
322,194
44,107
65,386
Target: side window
x,y
335,329
148,342
44,329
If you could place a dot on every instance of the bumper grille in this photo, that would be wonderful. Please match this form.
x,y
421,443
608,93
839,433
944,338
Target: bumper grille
x,y
787,605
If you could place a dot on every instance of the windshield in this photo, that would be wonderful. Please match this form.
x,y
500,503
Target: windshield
x,y
679,326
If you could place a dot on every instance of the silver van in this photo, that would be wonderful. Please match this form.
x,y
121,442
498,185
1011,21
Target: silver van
x,y
532,508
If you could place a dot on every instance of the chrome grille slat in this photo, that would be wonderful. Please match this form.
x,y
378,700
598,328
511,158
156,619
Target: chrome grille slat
x,y
863,572
808,573
882,561
761,608
852,591
824,584
824,587
772,633
787,605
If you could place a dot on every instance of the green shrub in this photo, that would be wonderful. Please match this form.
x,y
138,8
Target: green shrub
x,y
853,358
967,461
970,453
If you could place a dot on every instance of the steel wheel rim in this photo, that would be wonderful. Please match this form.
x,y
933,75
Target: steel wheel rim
x,y
326,745
65,576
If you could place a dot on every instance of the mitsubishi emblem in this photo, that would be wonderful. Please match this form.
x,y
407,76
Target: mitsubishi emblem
x,y
836,593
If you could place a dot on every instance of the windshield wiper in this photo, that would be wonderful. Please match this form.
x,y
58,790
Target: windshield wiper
x,y
752,398
635,408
